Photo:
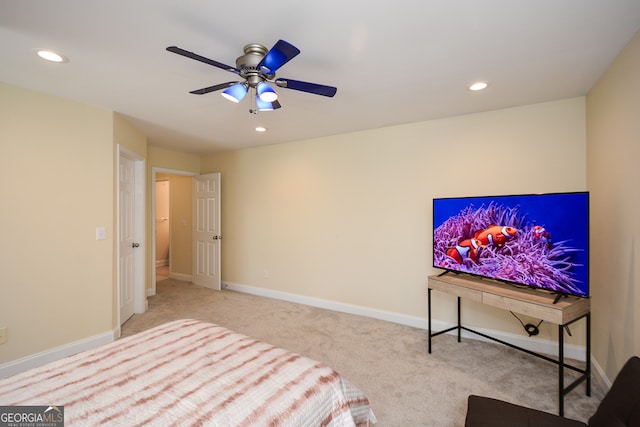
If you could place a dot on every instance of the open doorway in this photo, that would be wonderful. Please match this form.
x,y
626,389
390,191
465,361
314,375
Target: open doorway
x,y
171,246
163,226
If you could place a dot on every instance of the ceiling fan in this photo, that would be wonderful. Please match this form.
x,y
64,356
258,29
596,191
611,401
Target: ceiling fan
x,y
258,68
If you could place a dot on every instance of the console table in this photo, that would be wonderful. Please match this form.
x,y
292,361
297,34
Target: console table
x,y
530,302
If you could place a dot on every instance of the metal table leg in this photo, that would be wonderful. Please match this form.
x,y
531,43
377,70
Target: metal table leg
x,y
429,316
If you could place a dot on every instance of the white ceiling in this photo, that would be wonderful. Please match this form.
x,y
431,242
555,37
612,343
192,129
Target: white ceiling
x,y
393,62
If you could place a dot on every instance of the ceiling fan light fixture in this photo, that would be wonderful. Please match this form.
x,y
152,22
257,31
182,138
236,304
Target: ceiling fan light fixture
x,y
266,93
235,93
264,106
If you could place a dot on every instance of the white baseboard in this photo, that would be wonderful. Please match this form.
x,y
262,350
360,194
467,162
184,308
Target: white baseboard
x,y
537,345
598,372
38,359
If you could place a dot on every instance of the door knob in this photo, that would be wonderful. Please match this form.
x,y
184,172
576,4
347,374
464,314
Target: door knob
x,y
135,245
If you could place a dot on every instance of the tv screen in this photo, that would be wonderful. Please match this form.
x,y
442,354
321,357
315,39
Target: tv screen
x,y
536,240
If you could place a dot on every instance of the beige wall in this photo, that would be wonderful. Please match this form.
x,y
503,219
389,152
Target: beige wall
x,y
56,168
129,137
180,207
613,155
173,160
348,218
162,221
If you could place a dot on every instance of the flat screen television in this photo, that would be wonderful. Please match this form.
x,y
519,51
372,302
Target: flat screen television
x,y
534,240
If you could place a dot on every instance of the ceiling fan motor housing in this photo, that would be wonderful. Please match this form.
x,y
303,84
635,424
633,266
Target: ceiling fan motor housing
x,y
248,64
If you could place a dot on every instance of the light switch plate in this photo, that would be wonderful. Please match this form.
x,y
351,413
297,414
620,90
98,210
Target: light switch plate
x,y
101,233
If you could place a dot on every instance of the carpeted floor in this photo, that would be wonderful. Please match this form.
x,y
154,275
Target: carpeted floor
x,y
389,362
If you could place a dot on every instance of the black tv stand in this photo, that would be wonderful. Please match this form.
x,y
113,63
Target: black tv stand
x,y
532,302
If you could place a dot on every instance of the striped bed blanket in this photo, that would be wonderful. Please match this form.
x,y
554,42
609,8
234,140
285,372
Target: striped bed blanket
x,y
190,373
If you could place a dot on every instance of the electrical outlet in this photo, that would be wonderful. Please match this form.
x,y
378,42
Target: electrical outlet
x,y
3,335
266,274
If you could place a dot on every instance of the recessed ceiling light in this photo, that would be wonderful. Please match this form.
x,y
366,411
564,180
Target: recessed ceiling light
x,y
261,129
478,86
51,56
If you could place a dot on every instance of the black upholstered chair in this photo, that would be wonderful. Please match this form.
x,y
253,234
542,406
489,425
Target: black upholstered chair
x,y
619,408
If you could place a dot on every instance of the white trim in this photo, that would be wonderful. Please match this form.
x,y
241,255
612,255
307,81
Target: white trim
x,y
389,316
38,359
537,345
141,232
533,344
599,373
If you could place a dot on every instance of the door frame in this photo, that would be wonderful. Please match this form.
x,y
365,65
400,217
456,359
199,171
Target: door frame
x,y
140,300
154,172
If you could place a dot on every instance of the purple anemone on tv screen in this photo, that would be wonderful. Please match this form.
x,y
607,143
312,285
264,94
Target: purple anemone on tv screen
x,y
535,240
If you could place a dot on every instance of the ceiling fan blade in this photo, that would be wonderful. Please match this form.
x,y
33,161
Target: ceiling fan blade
x,y
314,88
179,51
275,104
281,53
267,106
212,88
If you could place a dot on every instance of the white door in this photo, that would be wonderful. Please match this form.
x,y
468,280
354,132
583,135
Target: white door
x,y
206,230
126,239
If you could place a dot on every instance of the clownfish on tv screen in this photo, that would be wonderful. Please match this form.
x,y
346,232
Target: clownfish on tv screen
x,y
535,240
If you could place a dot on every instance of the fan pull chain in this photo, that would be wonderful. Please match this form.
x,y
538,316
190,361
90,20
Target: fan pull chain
x,y
254,104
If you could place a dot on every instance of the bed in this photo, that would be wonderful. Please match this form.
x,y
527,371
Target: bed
x,y
189,372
